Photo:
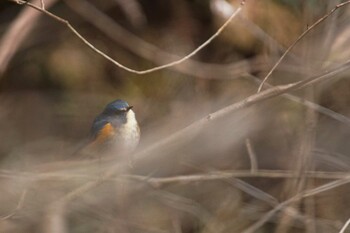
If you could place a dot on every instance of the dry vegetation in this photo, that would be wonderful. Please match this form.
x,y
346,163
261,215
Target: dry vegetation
x,y
220,152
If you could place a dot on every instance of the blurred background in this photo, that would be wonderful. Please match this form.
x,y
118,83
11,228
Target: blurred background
x,y
52,86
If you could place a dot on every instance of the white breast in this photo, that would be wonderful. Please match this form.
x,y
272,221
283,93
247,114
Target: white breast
x,y
129,133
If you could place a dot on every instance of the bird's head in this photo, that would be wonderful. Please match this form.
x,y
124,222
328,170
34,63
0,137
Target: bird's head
x,y
117,107
119,111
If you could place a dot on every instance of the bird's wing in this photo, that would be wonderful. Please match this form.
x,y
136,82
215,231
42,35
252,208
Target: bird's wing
x,y
102,131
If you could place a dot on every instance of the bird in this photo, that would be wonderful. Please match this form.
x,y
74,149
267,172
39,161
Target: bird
x,y
115,129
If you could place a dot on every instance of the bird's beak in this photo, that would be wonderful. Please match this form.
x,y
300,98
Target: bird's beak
x,y
128,108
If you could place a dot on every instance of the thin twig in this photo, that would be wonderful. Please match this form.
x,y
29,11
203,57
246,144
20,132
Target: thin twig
x,y
345,226
252,156
18,207
271,174
323,110
194,52
17,33
42,4
298,39
154,54
304,194
301,163
217,175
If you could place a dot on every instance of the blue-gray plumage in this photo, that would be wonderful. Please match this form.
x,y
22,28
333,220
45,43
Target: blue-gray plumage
x,y
116,127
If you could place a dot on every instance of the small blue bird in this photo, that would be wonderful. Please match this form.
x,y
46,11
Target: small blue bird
x,y
116,128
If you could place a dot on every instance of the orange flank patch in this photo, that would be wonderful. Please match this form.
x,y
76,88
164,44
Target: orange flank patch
x,y
105,134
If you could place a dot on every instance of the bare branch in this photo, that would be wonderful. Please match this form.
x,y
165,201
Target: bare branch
x,y
157,182
304,194
252,156
17,33
18,207
154,54
42,4
345,226
323,110
299,38
194,52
